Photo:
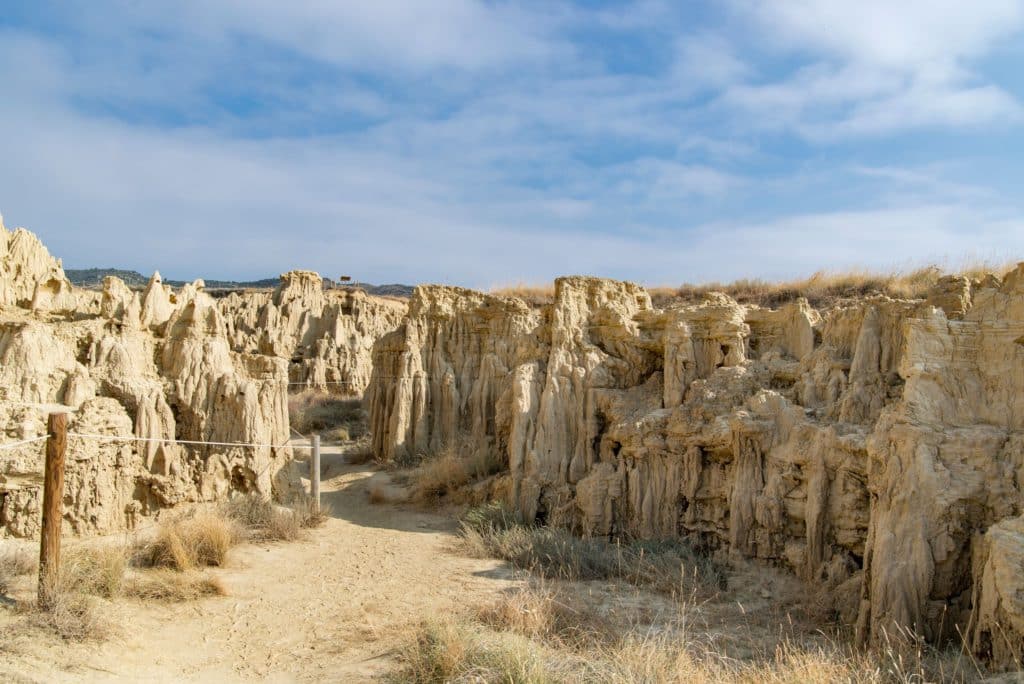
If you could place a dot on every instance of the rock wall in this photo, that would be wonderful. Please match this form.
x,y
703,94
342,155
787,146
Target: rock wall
x,y
157,365
876,448
326,335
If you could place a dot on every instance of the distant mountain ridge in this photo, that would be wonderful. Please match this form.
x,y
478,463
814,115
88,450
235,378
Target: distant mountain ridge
x,y
93,278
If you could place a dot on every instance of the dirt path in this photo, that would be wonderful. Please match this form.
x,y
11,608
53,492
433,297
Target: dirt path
x,y
324,609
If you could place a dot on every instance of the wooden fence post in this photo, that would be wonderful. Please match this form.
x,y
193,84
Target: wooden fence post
x,y
314,474
53,499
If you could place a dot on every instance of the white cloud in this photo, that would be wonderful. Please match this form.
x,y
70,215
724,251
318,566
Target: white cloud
x,y
489,147
881,66
903,35
377,36
707,60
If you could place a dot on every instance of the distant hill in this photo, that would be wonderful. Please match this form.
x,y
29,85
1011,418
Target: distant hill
x,y
93,278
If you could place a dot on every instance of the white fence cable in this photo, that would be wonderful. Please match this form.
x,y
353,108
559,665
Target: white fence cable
x,y
116,438
326,382
13,445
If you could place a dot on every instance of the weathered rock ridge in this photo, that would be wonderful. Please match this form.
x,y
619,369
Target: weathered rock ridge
x,y
327,335
168,367
876,448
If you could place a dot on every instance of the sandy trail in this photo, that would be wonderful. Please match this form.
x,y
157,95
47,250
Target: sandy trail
x,y
324,609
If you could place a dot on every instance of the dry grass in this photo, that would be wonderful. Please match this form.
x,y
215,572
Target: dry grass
x,y
531,639
265,521
15,563
671,567
543,612
76,609
822,289
262,519
309,513
444,474
360,455
335,418
187,543
94,570
535,295
165,584
71,615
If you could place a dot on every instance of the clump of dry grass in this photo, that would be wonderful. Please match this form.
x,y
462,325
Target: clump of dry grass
x,y
14,563
165,584
450,650
308,512
335,418
545,613
187,543
71,615
264,520
444,474
667,566
94,570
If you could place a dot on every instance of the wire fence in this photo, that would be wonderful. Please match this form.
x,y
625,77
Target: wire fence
x,y
161,440
14,445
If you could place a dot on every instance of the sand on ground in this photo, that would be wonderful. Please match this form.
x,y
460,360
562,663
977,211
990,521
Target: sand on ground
x,y
328,608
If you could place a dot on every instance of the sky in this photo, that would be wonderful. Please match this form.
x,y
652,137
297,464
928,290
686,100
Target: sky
x,y
488,143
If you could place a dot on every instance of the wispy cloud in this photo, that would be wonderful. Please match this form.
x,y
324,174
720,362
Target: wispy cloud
x,y
485,142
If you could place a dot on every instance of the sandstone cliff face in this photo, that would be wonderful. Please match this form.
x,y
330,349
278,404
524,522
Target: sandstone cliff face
x,y
156,365
327,336
876,448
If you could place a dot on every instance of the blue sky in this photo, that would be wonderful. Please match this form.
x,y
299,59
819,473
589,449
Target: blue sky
x,y
488,143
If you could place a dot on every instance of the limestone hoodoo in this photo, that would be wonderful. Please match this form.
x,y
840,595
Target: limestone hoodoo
x,y
874,448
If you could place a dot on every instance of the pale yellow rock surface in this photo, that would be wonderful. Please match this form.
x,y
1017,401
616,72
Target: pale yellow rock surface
x,y
157,366
876,448
326,335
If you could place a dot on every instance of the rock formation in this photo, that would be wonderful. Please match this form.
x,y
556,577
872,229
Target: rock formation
x,y
156,365
876,448
327,335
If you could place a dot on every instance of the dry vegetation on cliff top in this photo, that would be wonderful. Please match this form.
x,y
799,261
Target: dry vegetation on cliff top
x,y
822,289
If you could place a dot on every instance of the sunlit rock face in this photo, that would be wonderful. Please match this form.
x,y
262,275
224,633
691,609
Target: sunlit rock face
x,y
326,335
156,365
876,448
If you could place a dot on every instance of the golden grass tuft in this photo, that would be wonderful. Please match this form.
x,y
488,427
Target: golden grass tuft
x,y
187,543
444,474
165,584
94,570
539,611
